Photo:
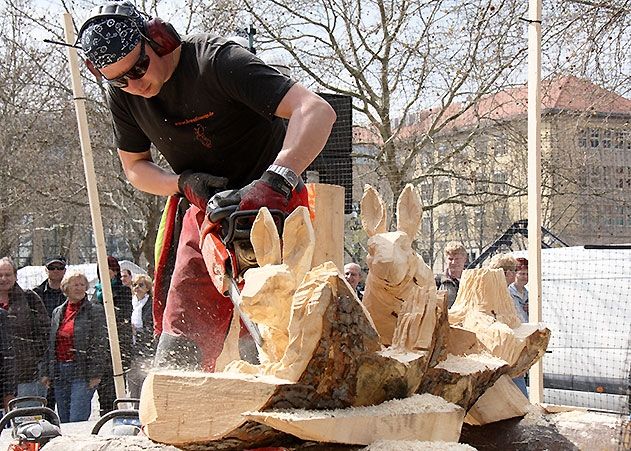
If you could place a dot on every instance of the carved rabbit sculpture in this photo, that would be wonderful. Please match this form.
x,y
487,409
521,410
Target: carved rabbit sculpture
x,y
396,273
268,290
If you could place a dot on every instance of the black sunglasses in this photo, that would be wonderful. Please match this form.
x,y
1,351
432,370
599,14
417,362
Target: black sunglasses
x,y
56,267
138,284
137,71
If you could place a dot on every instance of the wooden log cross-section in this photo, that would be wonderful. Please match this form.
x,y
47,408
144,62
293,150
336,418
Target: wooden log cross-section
x,y
324,351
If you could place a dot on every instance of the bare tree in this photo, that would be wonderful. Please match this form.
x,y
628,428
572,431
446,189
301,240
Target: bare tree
x,y
40,163
420,74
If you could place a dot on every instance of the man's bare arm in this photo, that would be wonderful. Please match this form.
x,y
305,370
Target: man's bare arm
x,y
146,175
310,121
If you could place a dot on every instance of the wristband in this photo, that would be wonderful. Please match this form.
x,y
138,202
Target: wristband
x,y
277,182
290,176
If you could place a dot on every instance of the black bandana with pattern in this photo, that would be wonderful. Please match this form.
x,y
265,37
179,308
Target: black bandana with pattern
x,y
110,39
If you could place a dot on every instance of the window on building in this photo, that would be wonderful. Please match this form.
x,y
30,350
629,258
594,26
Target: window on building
x,y
444,188
481,148
462,186
582,137
478,216
619,139
498,145
461,221
481,183
499,182
607,175
426,225
442,223
426,191
606,138
594,138
25,252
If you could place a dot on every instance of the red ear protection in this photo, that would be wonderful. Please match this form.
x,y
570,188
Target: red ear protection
x,y
163,38
161,35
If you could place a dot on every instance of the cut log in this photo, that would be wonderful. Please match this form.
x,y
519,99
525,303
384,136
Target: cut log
x,y
396,273
483,307
329,329
463,379
484,290
461,341
441,333
184,408
409,445
332,361
327,205
500,402
420,417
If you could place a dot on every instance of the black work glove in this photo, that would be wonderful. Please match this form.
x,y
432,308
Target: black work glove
x,y
199,187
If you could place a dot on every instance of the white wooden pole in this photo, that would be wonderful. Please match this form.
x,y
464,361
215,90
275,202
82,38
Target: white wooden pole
x,y
95,207
534,185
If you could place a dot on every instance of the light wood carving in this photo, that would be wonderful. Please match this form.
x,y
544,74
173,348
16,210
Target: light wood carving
x,y
268,290
419,417
396,273
502,401
485,309
323,349
326,202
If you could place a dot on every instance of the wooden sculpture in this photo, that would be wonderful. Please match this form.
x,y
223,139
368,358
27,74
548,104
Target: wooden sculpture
x,y
326,357
323,353
396,273
483,319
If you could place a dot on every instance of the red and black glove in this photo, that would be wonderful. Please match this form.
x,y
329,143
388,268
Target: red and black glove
x,y
271,191
199,187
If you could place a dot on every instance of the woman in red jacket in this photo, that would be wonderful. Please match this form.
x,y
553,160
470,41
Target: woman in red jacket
x,y
77,350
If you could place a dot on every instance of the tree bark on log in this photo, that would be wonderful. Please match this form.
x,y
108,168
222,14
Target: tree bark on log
x,y
463,379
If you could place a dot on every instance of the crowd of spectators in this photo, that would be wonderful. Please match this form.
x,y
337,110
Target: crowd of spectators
x,y
54,340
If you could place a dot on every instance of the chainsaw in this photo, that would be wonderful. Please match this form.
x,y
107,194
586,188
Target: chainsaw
x,y
31,427
230,253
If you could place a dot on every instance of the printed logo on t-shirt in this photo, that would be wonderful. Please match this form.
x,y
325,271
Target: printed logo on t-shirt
x,y
200,135
195,119
198,129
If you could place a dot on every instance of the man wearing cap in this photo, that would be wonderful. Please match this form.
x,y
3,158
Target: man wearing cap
x,y
216,113
51,295
50,289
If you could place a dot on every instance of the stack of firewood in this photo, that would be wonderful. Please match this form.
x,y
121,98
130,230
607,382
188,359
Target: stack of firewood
x,y
397,367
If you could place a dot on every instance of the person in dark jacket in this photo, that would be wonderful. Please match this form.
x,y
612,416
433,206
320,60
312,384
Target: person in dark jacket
x,y
51,295
7,362
28,328
122,308
77,351
49,290
143,343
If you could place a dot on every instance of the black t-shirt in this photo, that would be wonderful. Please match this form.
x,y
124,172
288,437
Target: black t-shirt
x,y
215,114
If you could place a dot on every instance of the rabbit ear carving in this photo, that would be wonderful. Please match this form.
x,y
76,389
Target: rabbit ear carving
x,y
298,242
409,211
373,212
265,239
